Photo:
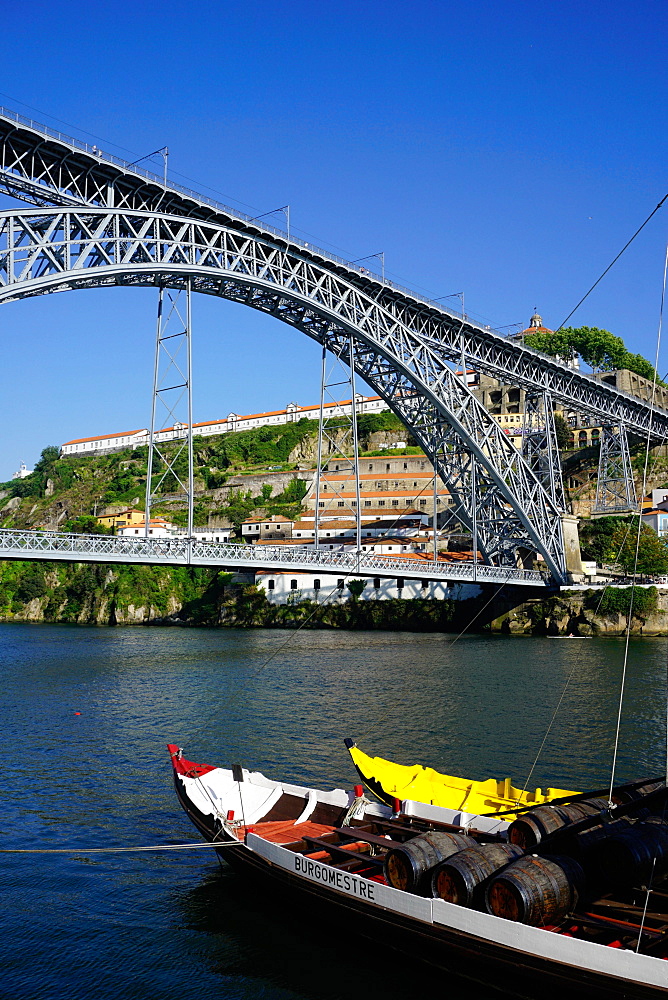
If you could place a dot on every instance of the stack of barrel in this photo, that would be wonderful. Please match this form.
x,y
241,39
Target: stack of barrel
x,y
497,877
508,881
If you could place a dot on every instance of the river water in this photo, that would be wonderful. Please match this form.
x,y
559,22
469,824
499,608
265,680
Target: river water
x,y
87,713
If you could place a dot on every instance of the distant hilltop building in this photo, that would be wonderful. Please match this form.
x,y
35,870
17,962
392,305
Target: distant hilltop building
x,y
536,326
233,422
23,471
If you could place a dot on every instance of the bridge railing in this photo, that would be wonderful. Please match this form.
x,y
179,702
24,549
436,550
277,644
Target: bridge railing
x,y
189,551
94,150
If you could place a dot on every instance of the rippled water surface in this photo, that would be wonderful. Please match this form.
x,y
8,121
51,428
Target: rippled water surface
x,y
177,925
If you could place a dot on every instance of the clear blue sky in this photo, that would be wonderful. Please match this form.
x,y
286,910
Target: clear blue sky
x,y
507,150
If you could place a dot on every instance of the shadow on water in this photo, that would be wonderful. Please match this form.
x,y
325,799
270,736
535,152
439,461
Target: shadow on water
x,y
264,935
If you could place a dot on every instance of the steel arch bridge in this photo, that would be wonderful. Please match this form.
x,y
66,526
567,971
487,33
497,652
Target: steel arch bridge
x,y
55,249
121,225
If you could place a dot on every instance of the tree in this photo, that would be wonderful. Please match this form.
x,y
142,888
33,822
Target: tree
x,y
598,348
239,506
652,550
86,524
562,431
613,540
597,538
295,491
356,587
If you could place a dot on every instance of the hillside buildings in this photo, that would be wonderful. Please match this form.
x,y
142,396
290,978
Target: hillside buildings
x,y
106,443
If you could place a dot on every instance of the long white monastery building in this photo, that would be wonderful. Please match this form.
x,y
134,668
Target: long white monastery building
x,y
232,422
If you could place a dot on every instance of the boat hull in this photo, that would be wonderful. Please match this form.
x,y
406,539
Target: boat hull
x,y
496,968
451,938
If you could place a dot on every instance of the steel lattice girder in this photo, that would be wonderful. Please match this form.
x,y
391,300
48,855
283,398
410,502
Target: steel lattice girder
x,y
42,251
615,488
539,446
43,166
18,543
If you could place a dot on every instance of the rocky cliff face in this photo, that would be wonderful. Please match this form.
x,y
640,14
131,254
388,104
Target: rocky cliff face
x,y
592,612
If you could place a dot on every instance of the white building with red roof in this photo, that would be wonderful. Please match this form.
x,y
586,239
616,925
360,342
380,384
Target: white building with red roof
x,y
105,443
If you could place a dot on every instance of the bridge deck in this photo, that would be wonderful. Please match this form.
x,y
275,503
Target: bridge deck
x,y
51,546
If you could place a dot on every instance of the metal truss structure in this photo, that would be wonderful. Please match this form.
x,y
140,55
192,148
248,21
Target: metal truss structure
x,y
539,445
337,438
615,490
66,249
65,547
146,231
170,477
41,165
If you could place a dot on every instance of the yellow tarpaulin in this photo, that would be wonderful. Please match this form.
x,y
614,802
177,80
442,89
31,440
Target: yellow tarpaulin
x,y
424,784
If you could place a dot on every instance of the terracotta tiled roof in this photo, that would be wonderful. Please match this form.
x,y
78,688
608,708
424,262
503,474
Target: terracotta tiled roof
x,y
104,437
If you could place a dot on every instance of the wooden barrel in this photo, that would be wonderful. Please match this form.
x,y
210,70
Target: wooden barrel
x,y
535,890
533,826
406,867
460,879
620,796
634,855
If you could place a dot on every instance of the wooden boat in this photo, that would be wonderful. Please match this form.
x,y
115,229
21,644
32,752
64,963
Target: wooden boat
x,y
569,913
391,781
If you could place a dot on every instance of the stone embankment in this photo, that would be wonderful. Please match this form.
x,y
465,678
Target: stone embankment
x,y
591,612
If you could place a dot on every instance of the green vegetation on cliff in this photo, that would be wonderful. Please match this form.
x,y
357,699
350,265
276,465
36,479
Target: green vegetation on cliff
x,y
66,492
111,595
104,594
612,541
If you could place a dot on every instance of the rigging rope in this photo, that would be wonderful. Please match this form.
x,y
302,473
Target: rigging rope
x,y
112,850
642,495
602,276
572,671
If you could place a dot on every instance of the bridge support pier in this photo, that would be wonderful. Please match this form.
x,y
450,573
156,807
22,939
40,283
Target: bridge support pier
x,y
170,473
569,530
539,446
615,489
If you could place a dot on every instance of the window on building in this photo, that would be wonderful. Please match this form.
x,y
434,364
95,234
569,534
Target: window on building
x,y
367,503
339,584
405,465
381,503
271,585
376,582
400,583
370,466
387,467
395,503
340,503
423,503
321,503
316,584
424,584
293,584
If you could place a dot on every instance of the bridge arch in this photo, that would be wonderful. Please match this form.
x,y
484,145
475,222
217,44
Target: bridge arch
x,y
492,488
